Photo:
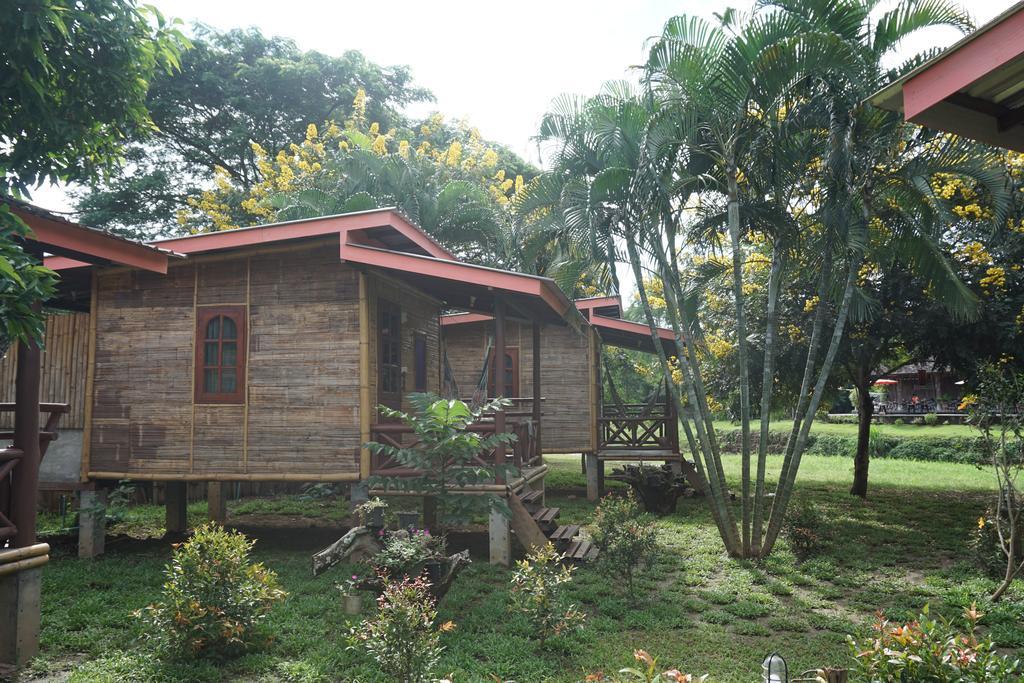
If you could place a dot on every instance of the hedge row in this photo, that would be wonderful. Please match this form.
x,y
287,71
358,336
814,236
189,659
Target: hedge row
x,y
963,449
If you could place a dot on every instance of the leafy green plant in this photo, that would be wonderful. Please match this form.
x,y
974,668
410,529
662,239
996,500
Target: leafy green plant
x,y
626,537
538,591
930,650
931,419
646,672
446,455
406,552
806,530
987,547
214,597
402,637
995,409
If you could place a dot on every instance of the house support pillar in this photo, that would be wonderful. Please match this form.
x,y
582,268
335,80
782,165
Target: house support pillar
x,y
217,502
19,611
430,513
92,522
176,502
537,395
499,385
501,539
595,476
358,493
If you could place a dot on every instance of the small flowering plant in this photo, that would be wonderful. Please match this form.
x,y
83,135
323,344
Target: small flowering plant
x,y
406,553
350,585
930,650
647,672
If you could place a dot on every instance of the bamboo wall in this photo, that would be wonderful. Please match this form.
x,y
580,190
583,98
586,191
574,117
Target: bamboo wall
x,y
64,363
567,377
301,419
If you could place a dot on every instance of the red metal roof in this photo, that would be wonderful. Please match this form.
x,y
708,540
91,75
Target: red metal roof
x,y
974,89
54,234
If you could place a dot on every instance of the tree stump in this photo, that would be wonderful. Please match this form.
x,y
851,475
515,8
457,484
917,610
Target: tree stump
x,y
657,488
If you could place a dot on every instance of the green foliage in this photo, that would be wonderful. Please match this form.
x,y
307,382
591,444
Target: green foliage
x,y
23,282
806,530
214,597
986,545
406,552
538,591
445,455
401,638
627,538
234,88
931,650
931,419
78,74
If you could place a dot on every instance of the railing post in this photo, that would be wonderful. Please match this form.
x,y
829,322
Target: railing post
x,y
25,477
499,380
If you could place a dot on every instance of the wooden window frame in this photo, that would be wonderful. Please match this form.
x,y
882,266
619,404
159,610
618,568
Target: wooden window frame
x,y
419,362
237,314
391,399
510,391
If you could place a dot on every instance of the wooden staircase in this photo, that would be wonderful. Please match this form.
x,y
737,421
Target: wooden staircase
x,y
545,520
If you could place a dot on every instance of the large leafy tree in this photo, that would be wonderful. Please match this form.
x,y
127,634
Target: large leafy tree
x,y
76,75
234,88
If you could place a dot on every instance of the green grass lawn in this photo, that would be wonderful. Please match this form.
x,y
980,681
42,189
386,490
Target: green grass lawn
x,y
903,430
700,611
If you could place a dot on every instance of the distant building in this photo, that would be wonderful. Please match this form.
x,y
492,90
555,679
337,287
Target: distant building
x,y
918,388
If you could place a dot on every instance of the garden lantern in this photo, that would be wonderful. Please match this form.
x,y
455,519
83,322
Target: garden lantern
x,y
774,669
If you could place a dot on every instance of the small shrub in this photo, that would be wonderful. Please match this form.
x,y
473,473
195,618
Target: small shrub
x,y
919,421
806,530
626,538
987,547
214,597
538,591
401,637
406,553
931,419
930,650
646,672
899,421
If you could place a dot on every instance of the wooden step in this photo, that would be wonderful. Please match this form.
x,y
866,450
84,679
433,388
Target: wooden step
x,y
546,515
531,497
581,551
564,533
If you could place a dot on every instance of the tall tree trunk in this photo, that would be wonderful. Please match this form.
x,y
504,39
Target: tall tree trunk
x,y
741,341
865,409
767,385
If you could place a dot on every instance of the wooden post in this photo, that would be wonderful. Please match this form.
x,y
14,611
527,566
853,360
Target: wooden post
x,y
25,477
92,518
430,514
593,483
539,449
499,380
176,502
216,502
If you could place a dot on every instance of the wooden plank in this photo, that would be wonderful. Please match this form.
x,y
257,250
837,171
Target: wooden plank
x,y
525,526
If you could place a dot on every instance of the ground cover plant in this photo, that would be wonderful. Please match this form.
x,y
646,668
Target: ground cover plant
x,y
701,612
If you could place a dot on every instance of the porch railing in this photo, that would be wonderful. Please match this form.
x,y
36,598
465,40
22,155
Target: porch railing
x,y
519,454
637,427
11,457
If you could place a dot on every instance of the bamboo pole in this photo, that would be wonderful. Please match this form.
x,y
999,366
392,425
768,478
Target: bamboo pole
x,y
90,380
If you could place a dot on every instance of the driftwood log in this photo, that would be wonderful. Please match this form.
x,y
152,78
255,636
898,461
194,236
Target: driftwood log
x,y
440,581
358,545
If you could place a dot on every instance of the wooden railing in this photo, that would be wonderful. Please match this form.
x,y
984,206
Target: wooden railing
x,y
637,427
10,458
519,454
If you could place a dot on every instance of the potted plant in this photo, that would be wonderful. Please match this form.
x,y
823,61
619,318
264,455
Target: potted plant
x,y
352,600
371,513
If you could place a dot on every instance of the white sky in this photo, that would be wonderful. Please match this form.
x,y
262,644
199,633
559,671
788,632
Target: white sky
x,y
497,64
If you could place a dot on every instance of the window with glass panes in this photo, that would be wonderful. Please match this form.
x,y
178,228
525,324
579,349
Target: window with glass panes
x,y
220,354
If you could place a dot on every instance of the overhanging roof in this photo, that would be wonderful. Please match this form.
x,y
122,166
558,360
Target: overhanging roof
x,y
463,285
54,234
609,306
974,89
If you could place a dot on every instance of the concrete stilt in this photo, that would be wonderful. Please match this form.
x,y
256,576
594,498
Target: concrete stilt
x,y
92,522
501,539
176,502
217,502
593,469
358,493
676,465
19,616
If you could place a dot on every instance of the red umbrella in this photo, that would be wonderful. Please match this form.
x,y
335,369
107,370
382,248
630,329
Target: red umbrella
x,y
886,381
